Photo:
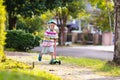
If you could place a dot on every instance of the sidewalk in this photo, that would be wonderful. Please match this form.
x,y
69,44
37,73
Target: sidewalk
x,y
100,47
85,51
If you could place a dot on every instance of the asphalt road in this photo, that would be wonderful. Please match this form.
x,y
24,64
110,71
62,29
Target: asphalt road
x,y
98,52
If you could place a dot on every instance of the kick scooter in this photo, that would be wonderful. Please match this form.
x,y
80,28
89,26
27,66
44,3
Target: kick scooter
x,y
55,61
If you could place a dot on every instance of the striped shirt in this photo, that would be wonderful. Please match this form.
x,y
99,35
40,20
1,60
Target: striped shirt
x,y
49,37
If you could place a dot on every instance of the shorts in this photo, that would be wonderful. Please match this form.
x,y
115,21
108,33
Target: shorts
x,y
47,49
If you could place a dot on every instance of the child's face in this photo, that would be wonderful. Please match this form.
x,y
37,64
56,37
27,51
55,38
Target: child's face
x,y
51,26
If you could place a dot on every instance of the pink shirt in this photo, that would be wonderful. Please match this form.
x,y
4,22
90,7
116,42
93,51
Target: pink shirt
x,y
49,38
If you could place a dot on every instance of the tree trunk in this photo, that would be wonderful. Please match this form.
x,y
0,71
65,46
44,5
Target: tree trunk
x,y
59,39
12,22
61,26
116,57
63,34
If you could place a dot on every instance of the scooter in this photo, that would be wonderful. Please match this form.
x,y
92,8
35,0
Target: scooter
x,y
55,61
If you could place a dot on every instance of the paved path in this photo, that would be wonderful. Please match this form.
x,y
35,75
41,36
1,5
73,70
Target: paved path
x,y
99,52
68,71
65,71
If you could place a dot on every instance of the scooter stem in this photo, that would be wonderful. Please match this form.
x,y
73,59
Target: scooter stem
x,y
54,48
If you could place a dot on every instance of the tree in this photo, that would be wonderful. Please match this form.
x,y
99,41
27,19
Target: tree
x,y
30,25
56,3
104,20
47,16
61,15
76,7
2,33
27,8
73,9
116,58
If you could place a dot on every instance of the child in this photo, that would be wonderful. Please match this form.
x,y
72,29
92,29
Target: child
x,y
48,43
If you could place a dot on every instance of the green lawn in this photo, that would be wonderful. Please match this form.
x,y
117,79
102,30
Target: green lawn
x,y
14,70
26,74
97,65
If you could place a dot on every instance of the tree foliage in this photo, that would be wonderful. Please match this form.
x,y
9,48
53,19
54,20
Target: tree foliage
x,y
30,25
2,33
76,7
27,8
104,20
56,3
47,16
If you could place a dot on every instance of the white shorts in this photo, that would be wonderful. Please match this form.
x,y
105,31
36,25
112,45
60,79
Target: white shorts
x,y
47,49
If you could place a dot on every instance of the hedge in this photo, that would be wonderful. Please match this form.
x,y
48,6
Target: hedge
x,y
21,41
2,33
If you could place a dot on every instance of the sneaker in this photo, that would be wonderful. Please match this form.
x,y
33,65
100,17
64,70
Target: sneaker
x,y
52,61
39,58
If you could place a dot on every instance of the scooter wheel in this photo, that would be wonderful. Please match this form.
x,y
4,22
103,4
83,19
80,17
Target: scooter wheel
x,y
59,62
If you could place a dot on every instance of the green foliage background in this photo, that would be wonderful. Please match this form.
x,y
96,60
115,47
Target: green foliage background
x,y
30,25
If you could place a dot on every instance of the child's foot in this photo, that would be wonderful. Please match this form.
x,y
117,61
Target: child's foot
x,y
51,61
39,58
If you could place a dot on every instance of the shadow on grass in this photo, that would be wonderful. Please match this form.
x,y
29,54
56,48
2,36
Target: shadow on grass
x,y
110,68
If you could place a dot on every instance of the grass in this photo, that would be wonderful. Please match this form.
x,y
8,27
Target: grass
x,y
26,74
14,70
10,49
98,65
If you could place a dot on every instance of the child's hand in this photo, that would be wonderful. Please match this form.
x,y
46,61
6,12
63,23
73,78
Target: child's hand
x,y
47,37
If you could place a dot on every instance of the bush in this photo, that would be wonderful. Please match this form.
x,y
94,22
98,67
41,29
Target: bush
x,y
2,33
20,40
37,41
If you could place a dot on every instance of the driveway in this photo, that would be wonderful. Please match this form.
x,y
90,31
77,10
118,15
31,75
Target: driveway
x,y
89,51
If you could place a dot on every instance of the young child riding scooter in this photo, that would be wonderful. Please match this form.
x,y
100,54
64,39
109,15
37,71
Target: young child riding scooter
x,y
48,43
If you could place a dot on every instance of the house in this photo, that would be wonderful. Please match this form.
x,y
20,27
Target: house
x,y
87,33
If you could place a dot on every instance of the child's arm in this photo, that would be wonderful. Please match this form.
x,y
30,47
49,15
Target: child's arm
x,y
46,35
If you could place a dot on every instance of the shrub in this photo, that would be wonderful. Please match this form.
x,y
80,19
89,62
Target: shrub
x,y
20,40
37,41
2,33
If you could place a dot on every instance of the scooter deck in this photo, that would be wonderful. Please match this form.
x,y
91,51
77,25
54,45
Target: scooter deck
x,y
55,62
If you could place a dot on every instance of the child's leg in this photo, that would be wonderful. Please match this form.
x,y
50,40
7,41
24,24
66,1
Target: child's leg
x,y
51,52
52,55
40,56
